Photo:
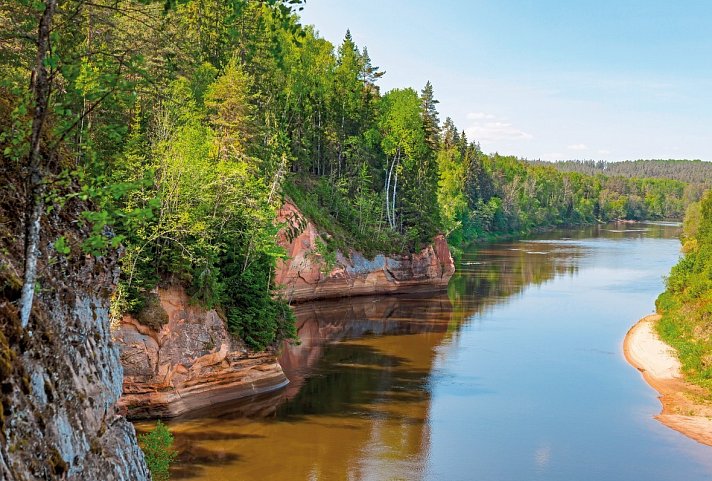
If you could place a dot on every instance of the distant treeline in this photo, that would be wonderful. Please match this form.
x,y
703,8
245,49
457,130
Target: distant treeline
x,y
484,195
690,171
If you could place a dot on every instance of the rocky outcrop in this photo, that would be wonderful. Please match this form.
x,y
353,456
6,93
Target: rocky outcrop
x,y
321,323
306,276
61,377
190,363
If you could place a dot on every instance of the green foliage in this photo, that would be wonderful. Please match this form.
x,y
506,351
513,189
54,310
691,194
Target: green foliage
x,y
406,139
212,230
157,447
183,127
346,224
152,313
251,312
691,226
61,246
689,171
327,255
686,305
507,196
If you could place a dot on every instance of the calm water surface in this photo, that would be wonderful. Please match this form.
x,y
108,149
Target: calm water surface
x,y
516,373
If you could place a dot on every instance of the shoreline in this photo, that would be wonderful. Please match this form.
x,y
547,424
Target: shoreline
x,y
681,408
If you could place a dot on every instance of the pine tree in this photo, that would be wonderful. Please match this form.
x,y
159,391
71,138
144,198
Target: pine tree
x,y
431,123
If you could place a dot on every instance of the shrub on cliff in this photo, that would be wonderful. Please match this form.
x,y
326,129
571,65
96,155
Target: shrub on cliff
x,y
157,447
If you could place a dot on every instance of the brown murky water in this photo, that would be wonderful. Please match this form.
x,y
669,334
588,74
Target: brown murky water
x,y
514,374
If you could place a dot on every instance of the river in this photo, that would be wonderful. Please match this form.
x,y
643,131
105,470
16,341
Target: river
x,y
516,373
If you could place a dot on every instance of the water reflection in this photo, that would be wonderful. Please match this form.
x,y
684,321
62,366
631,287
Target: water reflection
x,y
322,323
407,387
356,404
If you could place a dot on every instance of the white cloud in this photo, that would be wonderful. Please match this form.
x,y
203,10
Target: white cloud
x,y
479,116
487,128
577,147
604,152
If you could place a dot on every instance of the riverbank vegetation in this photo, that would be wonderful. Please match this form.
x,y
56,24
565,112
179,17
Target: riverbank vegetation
x,y
187,123
484,196
686,305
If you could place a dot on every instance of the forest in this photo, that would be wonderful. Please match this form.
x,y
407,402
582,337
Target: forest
x,y
185,125
690,171
686,304
484,196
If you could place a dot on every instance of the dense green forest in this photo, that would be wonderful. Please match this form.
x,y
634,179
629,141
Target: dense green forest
x,y
686,305
186,123
488,195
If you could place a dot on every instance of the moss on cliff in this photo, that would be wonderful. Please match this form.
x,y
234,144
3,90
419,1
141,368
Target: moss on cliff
x,y
152,314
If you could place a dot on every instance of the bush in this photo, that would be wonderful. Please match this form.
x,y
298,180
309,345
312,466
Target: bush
x,y
157,447
152,315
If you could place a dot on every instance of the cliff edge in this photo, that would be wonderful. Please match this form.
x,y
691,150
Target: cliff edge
x,y
306,276
190,362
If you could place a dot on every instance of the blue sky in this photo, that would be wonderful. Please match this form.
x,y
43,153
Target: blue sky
x,y
549,79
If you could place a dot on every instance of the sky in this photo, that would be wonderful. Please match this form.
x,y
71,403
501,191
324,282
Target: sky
x,y
547,79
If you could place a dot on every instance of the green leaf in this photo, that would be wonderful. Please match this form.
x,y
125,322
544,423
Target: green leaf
x,y
61,246
117,240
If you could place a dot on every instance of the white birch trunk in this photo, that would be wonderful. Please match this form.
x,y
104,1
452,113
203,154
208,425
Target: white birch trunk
x,y
41,93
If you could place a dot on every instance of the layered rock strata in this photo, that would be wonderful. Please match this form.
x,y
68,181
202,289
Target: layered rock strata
x,y
306,276
192,362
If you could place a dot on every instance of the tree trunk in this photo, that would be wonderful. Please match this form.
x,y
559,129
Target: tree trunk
x,y
388,189
40,91
318,149
396,163
393,206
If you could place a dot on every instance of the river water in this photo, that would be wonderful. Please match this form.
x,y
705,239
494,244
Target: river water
x,y
516,373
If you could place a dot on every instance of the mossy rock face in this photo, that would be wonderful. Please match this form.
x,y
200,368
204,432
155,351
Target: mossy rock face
x,y
56,464
9,334
153,315
59,377
6,357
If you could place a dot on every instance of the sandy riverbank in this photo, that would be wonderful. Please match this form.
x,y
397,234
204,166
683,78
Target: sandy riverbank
x,y
682,409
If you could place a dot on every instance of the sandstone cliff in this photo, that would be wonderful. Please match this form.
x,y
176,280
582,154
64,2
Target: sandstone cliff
x,y
190,363
60,378
306,277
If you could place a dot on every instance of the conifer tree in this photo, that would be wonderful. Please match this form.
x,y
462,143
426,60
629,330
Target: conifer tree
x,y
431,123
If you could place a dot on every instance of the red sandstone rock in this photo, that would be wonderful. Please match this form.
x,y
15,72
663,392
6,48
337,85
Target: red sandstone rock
x,y
304,280
191,363
194,362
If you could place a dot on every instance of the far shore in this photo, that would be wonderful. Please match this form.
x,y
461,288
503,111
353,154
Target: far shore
x,y
683,408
